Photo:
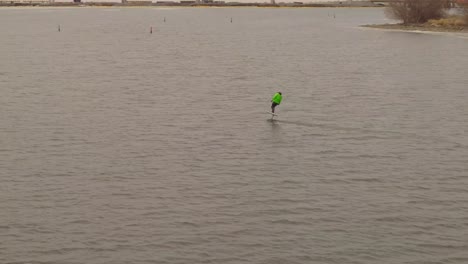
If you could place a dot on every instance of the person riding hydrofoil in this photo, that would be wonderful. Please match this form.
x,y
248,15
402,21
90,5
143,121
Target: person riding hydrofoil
x,y
276,100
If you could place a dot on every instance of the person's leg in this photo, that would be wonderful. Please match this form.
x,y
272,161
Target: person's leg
x,y
273,105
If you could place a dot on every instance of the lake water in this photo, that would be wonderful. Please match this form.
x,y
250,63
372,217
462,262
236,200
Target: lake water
x,y
121,146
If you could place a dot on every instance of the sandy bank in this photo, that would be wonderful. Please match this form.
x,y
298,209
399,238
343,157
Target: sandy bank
x,y
419,27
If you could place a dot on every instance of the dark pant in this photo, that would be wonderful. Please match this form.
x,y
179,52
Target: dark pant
x,y
273,105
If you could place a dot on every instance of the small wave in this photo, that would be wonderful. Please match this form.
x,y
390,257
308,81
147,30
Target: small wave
x,y
290,182
374,134
455,260
463,247
79,221
392,219
186,223
122,194
288,222
59,251
365,179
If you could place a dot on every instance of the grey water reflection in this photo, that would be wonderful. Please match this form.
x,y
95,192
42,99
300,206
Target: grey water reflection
x,y
121,146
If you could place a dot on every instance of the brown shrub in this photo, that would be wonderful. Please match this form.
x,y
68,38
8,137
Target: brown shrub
x,y
449,22
417,11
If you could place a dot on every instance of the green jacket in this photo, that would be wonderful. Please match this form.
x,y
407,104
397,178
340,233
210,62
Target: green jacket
x,y
277,98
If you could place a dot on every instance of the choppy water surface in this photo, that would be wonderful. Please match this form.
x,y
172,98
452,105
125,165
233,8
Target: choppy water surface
x,y
121,146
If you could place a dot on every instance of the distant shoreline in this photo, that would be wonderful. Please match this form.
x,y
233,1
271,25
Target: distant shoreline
x,y
175,4
418,27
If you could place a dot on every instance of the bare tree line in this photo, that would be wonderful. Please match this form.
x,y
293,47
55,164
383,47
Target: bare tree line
x,y
420,11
